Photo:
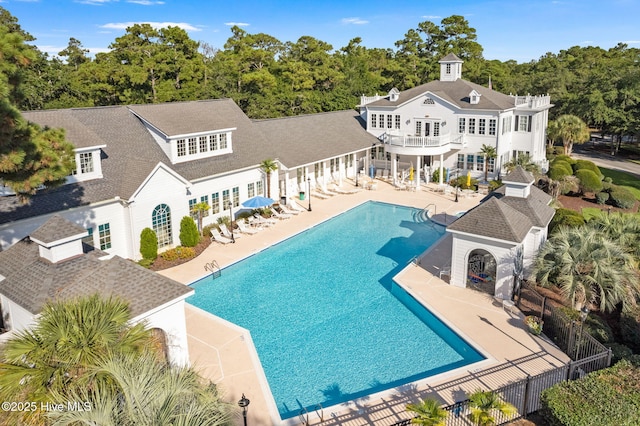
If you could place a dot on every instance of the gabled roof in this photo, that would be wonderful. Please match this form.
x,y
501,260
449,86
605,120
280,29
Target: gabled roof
x,y
305,139
31,281
454,92
494,219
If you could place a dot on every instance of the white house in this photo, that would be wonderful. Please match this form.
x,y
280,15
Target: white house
x,y
487,241
53,264
142,166
443,125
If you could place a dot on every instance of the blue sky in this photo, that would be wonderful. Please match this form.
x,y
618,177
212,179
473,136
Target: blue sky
x,y
519,30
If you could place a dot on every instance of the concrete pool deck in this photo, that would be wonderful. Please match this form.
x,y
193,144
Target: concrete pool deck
x,y
223,352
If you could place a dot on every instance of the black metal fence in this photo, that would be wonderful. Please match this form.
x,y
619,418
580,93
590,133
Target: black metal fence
x,y
587,355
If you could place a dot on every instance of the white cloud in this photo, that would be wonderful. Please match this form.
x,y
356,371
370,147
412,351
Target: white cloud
x,y
94,2
145,2
354,21
432,17
631,42
236,24
125,25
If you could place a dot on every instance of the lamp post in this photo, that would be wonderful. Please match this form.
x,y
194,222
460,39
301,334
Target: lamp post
x,y
244,403
457,171
357,170
309,191
233,239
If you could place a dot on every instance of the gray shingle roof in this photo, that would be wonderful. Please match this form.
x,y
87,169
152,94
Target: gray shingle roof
x,y
131,153
519,175
535,206
305,139
56,229
31,281
494,219
454,92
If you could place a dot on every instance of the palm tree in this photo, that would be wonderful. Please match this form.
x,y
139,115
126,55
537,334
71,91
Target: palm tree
x,y
623,228
524,161
571,129
68,338
588,268
141,390
268,166
428,413
484,405
489,152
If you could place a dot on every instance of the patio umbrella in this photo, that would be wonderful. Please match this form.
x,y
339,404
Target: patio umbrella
x,y
469,179
411,174
257,202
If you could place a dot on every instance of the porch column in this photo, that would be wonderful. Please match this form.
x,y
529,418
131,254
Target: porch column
x,y
416,172
287,186
441,177
394,169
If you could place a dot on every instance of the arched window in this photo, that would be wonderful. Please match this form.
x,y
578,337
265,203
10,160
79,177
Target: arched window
x,y
481,271
161,221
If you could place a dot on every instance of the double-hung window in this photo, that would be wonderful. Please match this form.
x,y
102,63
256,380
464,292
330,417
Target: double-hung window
x,y
215,202
472,126
462,124
397,121
482,126
492,126
374,120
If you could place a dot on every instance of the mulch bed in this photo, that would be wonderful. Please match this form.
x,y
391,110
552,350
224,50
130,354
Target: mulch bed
x,y
159,264
577,203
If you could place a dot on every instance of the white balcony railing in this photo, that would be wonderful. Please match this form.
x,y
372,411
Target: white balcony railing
x,y
408,141
533,101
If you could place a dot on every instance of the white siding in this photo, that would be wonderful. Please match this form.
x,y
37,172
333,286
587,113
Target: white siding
x,y
171,320
16,317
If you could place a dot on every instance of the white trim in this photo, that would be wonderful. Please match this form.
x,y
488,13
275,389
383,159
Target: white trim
x,y
159,166
487,238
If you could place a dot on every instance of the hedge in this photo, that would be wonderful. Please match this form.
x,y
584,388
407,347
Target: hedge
x,y
589,181
189,234
558,171
566,217
606,397
588,165
563,164
630,328
622,197
178,253
565,158
148,244
602,197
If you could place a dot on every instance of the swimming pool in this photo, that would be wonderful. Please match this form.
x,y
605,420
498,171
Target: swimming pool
x,y
327,320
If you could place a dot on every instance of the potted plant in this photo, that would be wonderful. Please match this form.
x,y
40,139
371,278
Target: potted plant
x,y
534,324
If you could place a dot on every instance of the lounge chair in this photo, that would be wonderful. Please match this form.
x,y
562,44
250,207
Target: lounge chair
x,y
385,174
226,233
317,194
446,270
281,216
263,221
339,190
285,210
246,230
378,173
215,236
295,206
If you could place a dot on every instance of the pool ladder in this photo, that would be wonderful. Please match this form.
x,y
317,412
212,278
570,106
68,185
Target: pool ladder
x,y
304,414
213,268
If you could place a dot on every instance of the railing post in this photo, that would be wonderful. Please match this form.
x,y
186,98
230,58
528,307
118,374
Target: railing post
x,y
544,301
609,354
526,396
571,341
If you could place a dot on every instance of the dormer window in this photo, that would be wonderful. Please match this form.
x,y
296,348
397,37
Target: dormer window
x,y
394,94
88,164
193,147
474,97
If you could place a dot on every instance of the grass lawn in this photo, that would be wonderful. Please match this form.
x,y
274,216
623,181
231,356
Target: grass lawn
x,y
629,181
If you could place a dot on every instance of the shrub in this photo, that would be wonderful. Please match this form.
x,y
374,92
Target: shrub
x,y
558,171
630,328
148,244
178,253
461,182
597,327
607,186
620,352
589,181
435,176
622,197
606,397
569,184
494,184
566,158
602,197
206,230
587,165
566,217
189,234
608,179
145,263
565,165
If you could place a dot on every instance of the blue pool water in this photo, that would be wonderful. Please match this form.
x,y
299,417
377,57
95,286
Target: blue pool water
x,y
328,322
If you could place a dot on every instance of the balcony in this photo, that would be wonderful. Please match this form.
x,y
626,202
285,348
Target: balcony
x,y
398,143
